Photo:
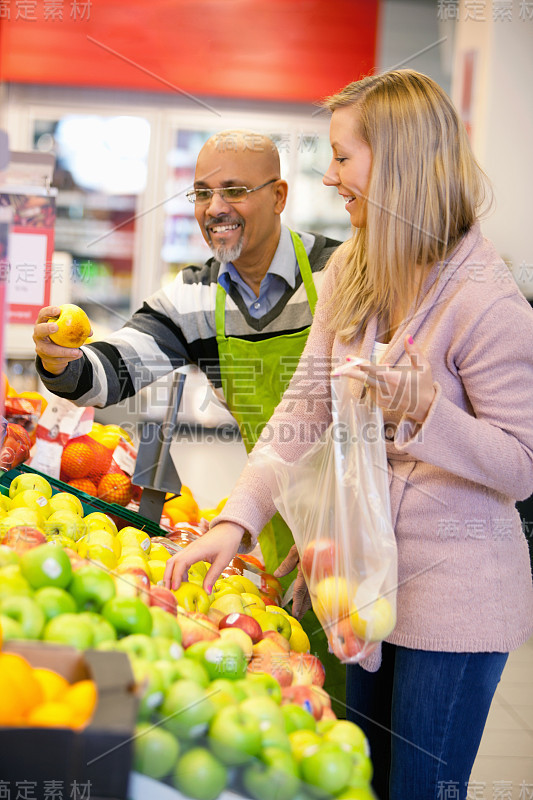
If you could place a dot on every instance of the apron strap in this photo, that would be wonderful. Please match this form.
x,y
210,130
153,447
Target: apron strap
x,y
307,278
305,271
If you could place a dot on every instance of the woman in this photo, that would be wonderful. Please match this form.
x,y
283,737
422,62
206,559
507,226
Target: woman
x,y
420,291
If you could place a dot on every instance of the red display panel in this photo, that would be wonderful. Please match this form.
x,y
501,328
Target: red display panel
x,y
289,50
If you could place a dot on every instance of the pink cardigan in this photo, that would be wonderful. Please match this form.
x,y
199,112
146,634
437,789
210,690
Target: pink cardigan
x,y
464,571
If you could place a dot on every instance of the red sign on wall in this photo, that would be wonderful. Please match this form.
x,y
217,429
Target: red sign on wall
x,y
290,50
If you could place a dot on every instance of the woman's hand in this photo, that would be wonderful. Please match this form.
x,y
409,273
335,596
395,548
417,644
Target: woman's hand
x,y
301,602
407,390
218,546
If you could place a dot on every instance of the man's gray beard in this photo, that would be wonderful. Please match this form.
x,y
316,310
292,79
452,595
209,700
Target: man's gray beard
x,y
224,254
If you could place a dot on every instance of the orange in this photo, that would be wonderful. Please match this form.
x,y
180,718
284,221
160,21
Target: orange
x,y
76,460
83,485
81,699
52,714
52,683
35,396
185,504
16,676
115,488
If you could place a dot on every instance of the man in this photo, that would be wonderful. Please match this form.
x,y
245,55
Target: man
x,y
243,317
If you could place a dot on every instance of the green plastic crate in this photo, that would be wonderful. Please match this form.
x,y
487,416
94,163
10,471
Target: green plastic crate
x,y
120,514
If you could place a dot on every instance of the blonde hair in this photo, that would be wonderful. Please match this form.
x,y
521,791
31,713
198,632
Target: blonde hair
x,y
424,193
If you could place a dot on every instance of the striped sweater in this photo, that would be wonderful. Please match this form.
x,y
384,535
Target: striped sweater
x,y
174,327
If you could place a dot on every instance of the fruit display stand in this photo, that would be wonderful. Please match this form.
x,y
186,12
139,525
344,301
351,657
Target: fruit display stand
x,y
228,700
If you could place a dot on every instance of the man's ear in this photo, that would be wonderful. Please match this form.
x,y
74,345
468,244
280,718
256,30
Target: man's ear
x,y
281,189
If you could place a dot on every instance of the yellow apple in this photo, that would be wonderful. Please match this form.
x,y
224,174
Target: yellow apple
x,y
21,516
156,570
29,480
133,550
229,604
102,555
98,537
134,535
252,601
374,621
131,560
31,498
240,637
65,523
67,501
299,641
5,503
73,326
100,521
277,610
159,552
332,602
192,598
245,584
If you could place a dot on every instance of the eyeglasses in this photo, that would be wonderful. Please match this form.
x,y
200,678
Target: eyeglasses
x,y
231,194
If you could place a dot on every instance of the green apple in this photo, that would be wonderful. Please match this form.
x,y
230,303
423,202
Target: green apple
x,y
275,775
188,709
12,582
65,523
91,587
67,502
328,769
349,735
228,688
155,751
324,725
224,659
304,743
54,601
191,670
46,565
276,622
69,629
167,648
234,737
151,687
103,631
30,480
264,684
362,770
26,612
200,775
127,615
297,718
164,624
272,735
139,645
263,709
197,650
10,628
7,556
167,671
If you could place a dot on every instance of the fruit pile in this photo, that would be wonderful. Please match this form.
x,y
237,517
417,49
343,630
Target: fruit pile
x,y
24,408
87,464
40,697
227,677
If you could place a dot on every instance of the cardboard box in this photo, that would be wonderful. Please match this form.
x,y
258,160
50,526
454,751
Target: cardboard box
x,y
59,763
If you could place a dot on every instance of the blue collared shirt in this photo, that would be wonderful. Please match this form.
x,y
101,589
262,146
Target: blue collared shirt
x,y
281,273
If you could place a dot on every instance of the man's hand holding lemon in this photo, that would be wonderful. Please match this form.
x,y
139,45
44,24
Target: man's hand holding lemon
x,y
58,333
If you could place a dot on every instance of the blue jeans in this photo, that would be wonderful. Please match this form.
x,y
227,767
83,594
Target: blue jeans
x,y
436,705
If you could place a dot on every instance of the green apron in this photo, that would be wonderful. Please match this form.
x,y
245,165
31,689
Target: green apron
x,y
252,400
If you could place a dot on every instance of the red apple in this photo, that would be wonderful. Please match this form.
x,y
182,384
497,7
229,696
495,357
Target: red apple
x,y
343,641
162,597
23,537
305,697
196,628
132,582
307,669
320,559
322,695
275,664
328,713
281,640
248,624
269,646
